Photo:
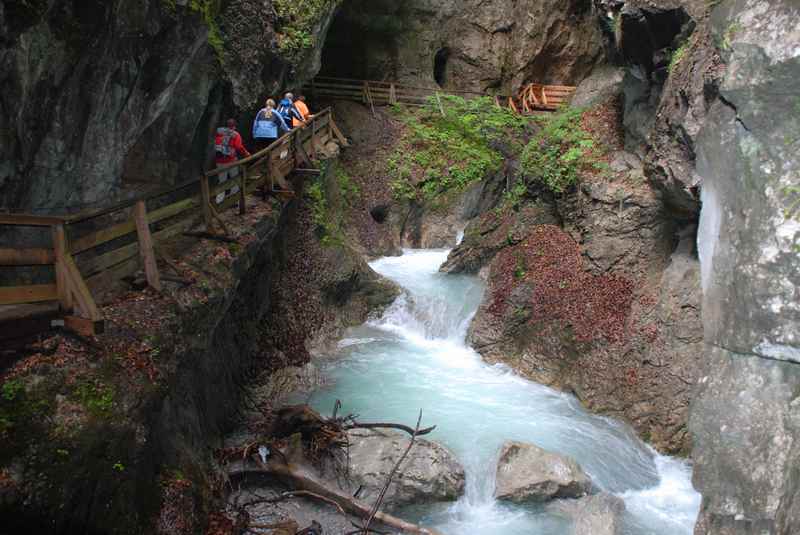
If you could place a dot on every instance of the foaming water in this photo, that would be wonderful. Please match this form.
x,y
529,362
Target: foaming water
x,y
415,356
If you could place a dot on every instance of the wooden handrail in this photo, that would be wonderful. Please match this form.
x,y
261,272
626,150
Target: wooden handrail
x,y
400,86
75,269
30,220
46,221
263,152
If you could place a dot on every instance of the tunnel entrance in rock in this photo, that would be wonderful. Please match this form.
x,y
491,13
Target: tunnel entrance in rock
x,y
362,42
440,66
647,32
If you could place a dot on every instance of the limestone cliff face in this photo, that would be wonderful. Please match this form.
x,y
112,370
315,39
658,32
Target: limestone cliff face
x,y
105,97
745,417
474,44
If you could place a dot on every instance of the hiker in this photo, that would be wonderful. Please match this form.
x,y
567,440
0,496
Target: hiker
x,y
288,111
268,126
228,145
302,108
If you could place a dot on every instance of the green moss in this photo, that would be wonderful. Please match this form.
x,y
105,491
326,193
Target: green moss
x,y
296,23
209,10
562,149
23,410
450,144
678,56
347,186
328,227
98,399
730,34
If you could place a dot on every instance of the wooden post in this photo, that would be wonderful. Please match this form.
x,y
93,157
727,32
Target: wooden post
x,y
62,278
205,193
392,94
313,138
146,245
243,190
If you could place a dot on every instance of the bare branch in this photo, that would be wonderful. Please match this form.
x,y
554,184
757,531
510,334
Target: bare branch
x,y
385,488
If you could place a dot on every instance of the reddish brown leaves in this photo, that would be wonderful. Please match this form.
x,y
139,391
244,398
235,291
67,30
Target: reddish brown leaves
x,y
563,293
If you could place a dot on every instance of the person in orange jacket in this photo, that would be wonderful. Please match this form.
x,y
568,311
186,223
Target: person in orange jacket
x,y
228,146
301,106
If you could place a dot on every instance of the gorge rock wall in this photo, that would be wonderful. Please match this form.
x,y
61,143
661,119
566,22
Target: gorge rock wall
x,y
473,45
745,417
101,99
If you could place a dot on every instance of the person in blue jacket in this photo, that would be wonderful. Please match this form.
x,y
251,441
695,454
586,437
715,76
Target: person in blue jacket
x,y
288,111
268,126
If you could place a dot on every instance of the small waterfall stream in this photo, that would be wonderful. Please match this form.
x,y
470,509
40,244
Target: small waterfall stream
x,y
416,357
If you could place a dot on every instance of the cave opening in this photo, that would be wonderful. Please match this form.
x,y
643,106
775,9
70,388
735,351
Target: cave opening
x,y
440,66
363,40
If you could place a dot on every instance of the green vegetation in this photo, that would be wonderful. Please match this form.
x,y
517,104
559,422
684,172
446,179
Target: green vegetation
x,y
20,406
209,10
678,56
792,196
296,22
561,150
328,227
730,33
450,144
97,398
520,269
347,185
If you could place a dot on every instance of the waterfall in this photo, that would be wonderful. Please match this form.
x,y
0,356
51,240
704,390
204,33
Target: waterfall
x,y
415,356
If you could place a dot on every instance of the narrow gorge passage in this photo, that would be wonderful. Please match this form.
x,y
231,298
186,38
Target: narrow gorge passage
x,y
415,356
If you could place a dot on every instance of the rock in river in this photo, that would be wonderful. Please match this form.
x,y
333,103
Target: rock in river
x,y
430,473
600,514
527,473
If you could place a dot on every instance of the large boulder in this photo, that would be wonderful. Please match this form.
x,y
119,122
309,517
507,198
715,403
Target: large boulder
x,y
527,473
600,514
430,473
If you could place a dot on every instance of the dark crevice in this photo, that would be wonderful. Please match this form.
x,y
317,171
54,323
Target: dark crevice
x,y
440,66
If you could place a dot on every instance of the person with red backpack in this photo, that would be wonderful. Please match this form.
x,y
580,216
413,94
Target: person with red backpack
x,y
228,146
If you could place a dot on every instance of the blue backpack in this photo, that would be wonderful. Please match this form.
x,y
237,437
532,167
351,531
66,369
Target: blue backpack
x,y
285,108
266,127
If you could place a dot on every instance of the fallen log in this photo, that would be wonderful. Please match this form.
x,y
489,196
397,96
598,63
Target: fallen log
x,y
299,477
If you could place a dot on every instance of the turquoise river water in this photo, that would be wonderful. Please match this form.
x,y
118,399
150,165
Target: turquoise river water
x,y
415,357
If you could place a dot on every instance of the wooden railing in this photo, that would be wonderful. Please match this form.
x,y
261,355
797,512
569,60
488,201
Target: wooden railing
x,y
115,241
376,93
531,97
534,97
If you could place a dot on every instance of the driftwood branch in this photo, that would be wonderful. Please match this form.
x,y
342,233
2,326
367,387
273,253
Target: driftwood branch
x,y
400,427
301,478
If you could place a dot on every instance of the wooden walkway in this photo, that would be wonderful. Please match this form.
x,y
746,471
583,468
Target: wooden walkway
x,y
116,241
531,98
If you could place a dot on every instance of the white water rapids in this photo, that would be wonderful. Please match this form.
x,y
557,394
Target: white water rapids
x,y
416,357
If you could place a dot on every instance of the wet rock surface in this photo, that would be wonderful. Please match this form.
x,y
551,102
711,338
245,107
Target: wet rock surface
x,y
745,415
527,474
599,514
430,473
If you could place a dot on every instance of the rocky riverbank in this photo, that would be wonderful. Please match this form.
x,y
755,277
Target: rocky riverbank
x,y
131,418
